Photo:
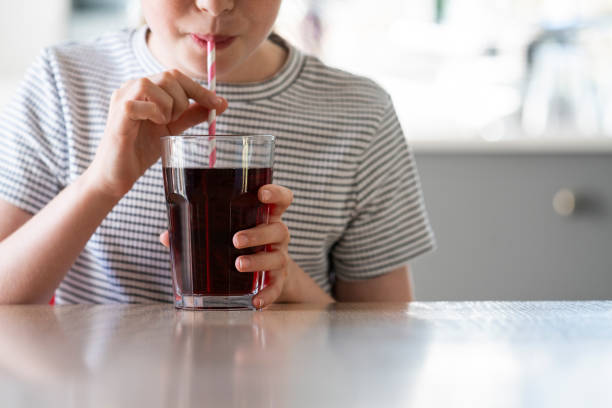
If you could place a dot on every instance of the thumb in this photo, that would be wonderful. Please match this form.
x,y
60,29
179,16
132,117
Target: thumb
x,y
164,239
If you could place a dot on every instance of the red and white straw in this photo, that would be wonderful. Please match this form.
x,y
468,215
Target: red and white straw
x,y
212,115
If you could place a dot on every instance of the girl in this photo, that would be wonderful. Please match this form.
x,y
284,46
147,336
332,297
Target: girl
x,y
81,188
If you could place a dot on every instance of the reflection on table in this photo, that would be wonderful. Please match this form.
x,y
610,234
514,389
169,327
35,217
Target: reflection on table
x,y
419,354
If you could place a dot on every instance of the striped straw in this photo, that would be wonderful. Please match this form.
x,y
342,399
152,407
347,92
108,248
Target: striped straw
x,y
212,115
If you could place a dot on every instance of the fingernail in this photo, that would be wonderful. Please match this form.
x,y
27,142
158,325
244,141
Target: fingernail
x,y
240,240
218,101
266,195
259,303
243,263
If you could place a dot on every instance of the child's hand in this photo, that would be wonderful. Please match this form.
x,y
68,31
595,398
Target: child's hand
x,y
140,113
275,235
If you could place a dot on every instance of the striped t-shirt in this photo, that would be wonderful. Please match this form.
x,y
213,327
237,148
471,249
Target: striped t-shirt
x,y
357,213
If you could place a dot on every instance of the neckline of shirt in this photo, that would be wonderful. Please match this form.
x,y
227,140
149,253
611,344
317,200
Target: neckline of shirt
x,y
278,83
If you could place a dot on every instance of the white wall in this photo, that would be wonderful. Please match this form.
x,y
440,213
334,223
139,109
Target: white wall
x,y
27,26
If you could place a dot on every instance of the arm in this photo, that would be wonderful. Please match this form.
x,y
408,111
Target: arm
x,y
36,256
390,226
393,286
12,218
302,288
36,253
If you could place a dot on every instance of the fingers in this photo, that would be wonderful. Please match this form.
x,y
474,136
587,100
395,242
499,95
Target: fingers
x,y
263,234
179,87
143,110
164,238
262,261
192,116
197,92
180,101
145,90
165,99
273,291
278,197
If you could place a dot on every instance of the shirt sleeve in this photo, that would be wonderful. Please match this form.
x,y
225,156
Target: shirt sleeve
x,y
32,140
390,226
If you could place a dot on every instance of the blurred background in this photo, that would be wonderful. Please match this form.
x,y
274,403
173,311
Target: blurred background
x,y
507,104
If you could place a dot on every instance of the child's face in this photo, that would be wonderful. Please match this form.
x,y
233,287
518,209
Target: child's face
x,y
240,27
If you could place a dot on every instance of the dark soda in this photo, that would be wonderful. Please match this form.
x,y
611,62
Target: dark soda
x,y
206,207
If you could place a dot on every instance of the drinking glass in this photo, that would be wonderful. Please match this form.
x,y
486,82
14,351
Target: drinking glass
x,y
211,185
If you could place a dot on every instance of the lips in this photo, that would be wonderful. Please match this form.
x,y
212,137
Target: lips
x,y
221,41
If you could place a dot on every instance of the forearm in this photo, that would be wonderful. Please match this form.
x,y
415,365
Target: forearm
x,y
35,258
393,286
301,288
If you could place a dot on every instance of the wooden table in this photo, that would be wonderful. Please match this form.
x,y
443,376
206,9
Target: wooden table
x,y
488,354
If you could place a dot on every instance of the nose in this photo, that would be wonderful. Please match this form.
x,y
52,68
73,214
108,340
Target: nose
x,y
215,7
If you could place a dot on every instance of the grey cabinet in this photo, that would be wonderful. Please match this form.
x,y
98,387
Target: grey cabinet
x,y
498,234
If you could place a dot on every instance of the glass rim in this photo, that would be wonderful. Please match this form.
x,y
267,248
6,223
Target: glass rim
x,y
220,137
